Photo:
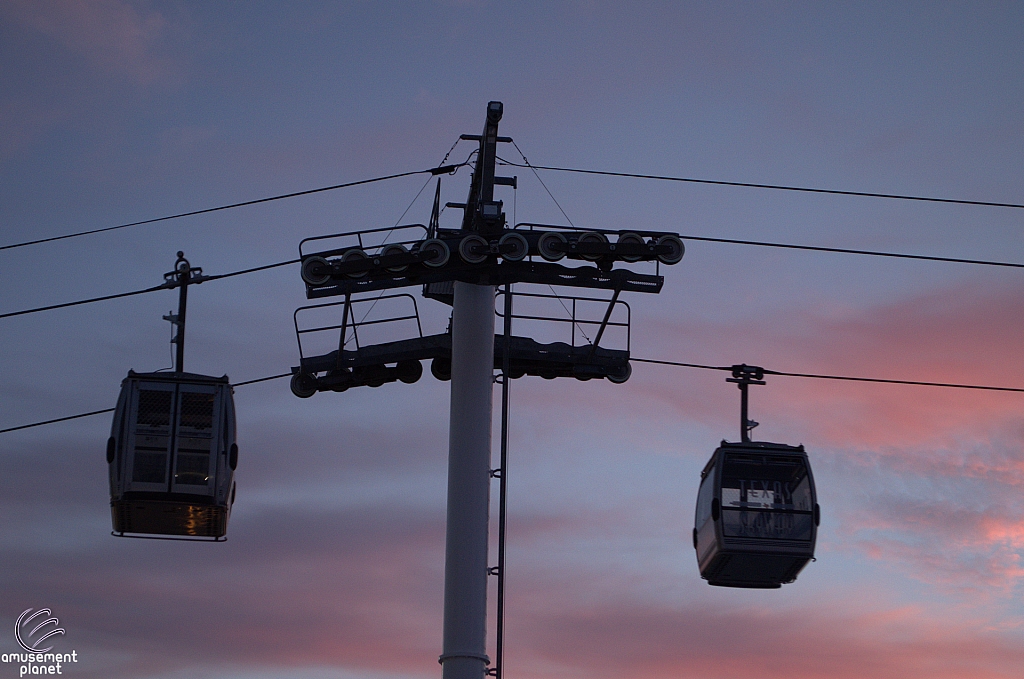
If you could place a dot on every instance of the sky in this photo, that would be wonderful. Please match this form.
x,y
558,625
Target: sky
x,y
113,112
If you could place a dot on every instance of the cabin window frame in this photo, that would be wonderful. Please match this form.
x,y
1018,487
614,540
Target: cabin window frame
x,y
798,527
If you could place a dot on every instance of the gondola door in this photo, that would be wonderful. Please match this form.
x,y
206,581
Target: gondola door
x,y
150,441
196,440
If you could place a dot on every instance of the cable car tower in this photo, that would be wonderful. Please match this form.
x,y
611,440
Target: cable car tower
x,y
463,267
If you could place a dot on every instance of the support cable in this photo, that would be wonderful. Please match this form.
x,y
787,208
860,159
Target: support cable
x,y
59,419
345,341
399,221
110,410
84,301
526,164
728,241
559,206
442,169
261,379
845,378
535,174
777,187
155,288
445,159
216,277
165,286
847,251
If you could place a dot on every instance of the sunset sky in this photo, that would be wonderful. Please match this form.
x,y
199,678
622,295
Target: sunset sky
x,y
113,112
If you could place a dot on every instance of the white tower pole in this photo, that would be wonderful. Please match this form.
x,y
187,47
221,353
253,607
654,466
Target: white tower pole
x,y
469,463
464,649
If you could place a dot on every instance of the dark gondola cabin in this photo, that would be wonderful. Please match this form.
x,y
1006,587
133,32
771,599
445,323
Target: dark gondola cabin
x,y
757,515
172,455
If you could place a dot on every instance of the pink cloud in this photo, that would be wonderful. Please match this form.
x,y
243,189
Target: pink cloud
x,y
117,36
966,334
713,641
960,549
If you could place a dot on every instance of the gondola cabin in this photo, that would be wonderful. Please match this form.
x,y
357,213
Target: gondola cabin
x,y
757,515
172,455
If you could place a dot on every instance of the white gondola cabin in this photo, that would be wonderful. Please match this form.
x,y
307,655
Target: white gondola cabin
x,y
172,455
757,515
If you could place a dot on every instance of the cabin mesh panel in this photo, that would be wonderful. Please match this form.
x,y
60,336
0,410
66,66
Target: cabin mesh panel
x,y
154,408
197,410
